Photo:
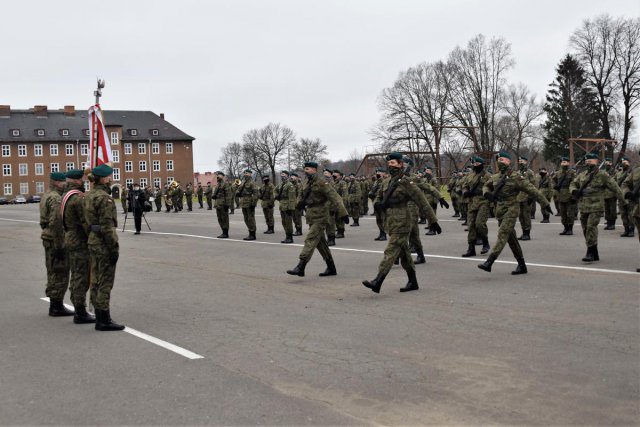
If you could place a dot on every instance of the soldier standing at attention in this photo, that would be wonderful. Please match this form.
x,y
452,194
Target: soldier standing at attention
x,y
392,198
504,187
562,180
208,193
610,202
297,213
625,210
285,194
375,189
524,199
354,192
317,198
341,188
588,189
478,210
76,237
631,188
331,226
53,241
267,202
248,193
189,196
455,197
123,199
224,198
100,215
200,193
546,188
236,199
157,198
365,186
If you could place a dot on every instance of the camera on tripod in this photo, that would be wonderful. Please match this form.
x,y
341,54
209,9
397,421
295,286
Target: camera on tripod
x,y
138,205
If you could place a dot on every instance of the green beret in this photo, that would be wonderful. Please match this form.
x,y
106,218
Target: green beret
x,y
504,154
524,158
407,160
57,176
564,159
337,171
247,171
394,156
294,174
428,168
102,170
352,174
285,172
311,165
477,159
590,156
623,158
75,173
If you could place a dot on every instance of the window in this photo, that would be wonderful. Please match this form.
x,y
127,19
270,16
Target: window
x,y
22,151
70,165
23,170
142,148
53,149
39,168
143,166
127,148
169,179
115,138
6,151
24,188
65,132
8,190
155,148
128,182
133,132
40,187
143,182
68,149
169,147
155,132
15,132
156,165
84,165
86,132
55,167
116,174
156,182
115,154
86,185
169,165
37,150
40,132
128,166
6,170
84,149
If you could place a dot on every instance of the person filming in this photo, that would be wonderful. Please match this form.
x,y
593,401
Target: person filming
x,y
137,199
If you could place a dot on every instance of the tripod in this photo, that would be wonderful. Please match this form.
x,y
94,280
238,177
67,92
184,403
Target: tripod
x,y
134,205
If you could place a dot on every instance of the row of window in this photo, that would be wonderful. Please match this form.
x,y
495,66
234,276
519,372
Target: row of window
x,y
24,186
84,149
65,132
23,168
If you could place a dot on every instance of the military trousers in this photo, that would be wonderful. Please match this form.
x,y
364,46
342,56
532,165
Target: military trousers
x,y
79,277
463,209
568,212
103,274
589,222
249,215
610,212
123,201
477,219
525,215
209,202
380,219
625,213
287,221
532,209
268,216
57,272
506,234
315,239
297,219
331,225
455,202
414,234
397,246
158,203
200,201
223,218
364,206
354,210
339,223
189,202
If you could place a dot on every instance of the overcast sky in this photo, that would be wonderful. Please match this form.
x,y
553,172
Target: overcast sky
x,y
220,68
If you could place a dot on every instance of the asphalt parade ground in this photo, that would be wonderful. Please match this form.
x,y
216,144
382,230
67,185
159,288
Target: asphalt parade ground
x,y
218,334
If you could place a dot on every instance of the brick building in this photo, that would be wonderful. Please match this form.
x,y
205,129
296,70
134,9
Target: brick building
x,y
146,148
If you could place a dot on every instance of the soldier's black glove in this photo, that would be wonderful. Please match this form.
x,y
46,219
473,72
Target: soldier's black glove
x,y
628,195
443,203
300,206
378,206
345,219
58,254
489,196
547,209
435,227
113,258
576,194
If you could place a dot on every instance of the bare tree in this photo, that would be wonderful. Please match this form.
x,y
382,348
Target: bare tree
x,y
231,160
521,110
272,140
628,73
251,155
307,150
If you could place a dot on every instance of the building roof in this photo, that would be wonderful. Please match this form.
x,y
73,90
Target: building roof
x,y
144,122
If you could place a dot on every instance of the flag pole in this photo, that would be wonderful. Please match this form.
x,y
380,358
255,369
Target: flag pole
x,y
96,133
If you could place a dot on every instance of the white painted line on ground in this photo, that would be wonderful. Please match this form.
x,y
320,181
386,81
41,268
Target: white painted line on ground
x,y
157,341
18,220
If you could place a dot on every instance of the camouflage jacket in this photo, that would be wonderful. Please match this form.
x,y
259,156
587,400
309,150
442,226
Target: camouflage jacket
x,y
101,218
474,185
433,182
223,195
622,175
200,191
267,198
341,188
286,195
511,185
631,184
50,217
208,192
545,185
189,191
375,187
365,186
561,183
76,234
320,198
608,194
592,199
529,176
354,191
399,218
248,192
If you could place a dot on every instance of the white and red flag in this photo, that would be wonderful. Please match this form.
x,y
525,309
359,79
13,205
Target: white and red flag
x,y
99,144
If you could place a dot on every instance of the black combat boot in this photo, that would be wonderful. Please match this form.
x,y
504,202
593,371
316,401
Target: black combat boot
x,y
631,230
269,230
570,230
456,214
331,269
339,234
594,250
57,309
375,284
486,266
545,219
251,236
224,235
485,245
397,261
611,225
412,283
465,221
565,231
379,235
298,232
287,239
471,251
331,240
525,235
104,322
298,270
82,316
382,237
422,221
589,257
420,258
521,268
430,233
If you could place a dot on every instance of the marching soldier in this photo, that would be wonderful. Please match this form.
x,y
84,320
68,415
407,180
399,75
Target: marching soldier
x,y
76,238
248,193
341,188
224,198
562,180
626,209
504,187
463,201
327,174
610,202
317,198
365,187
392,198
53,241
354,197
100,215
297,213
430,187
455,197
123,199
208,193
524,199
546,188
432,181
267,202
157,198
200,193
478,210
285,194
179,196
168,202
188,193
631,189
588,189
375,189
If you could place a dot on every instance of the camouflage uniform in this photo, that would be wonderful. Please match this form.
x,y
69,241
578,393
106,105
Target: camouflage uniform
x,y
188,193
525,205
546,188
200,193
610,202
340,186
626,209
248,193
267,202
365,187
354,191
478,211
157,199
285,194
208,193
224,199
76,238
53,241
373,193
297,213
631,188
331,225
455,197
123,199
